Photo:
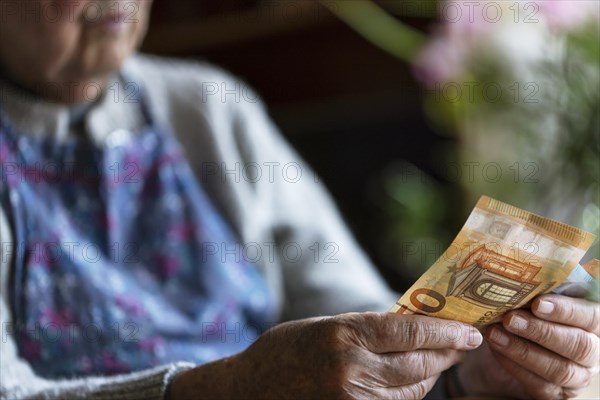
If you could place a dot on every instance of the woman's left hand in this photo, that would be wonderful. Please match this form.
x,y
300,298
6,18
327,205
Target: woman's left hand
x,y
552,351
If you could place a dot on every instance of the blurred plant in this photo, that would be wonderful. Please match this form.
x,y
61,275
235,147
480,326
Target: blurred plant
x,y
532,109
376,25
518,84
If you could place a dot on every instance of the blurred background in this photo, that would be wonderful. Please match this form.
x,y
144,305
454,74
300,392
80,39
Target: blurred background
x,y
409,110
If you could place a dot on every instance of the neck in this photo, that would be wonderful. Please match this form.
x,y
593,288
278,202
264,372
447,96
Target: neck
x,y
72,92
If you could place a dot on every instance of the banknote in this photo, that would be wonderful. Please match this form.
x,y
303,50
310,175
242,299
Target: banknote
x,y
593,269
583,281
501,258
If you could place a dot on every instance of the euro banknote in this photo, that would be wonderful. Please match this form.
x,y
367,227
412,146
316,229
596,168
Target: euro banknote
x,y
583,282
500,260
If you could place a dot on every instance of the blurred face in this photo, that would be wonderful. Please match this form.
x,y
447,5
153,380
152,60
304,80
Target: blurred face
x,y
68,43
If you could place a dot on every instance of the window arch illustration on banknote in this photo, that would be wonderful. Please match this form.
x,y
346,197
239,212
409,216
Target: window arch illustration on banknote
x,y
491,280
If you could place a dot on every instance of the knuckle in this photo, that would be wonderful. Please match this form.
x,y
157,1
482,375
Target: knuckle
x,y
335,333
540,332
425,368
567,311
345,391
421,390
584,349
547,391
368,323
330,327
415,391
587,377
356,329
563,374
354,382
569,393
595,320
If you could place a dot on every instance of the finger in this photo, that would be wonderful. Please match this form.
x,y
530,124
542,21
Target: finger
x,y
413,391
535,386
547,365
388,332
568,311
406,368
573,343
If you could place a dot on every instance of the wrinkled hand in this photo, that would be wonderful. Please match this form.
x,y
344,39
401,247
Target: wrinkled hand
x,y
550,352
352,356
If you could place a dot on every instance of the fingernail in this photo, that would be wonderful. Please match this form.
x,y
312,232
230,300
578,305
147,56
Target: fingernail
x,y
545,307
499,338
518,323
474,338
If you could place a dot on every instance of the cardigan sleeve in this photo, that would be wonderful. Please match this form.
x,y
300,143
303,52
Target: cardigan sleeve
x,y
19,381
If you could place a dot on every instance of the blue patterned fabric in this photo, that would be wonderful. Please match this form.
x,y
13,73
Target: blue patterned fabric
x,y
122,262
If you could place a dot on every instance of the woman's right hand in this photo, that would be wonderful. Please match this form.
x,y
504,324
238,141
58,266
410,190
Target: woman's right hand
x,y
349,356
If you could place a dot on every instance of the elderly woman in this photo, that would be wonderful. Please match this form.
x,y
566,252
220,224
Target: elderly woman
x,y
154,234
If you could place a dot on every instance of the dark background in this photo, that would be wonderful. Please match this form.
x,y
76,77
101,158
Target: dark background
x,y
349,108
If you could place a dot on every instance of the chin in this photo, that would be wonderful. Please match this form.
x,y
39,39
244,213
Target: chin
x,y
103,61
103,52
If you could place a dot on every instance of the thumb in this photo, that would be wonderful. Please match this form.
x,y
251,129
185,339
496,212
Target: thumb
x,y
389,332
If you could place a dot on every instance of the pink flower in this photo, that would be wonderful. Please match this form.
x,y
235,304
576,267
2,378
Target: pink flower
x,y
438,62
568,14
447,54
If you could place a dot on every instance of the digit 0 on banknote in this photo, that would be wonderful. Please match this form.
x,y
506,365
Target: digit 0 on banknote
x,y
502,258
